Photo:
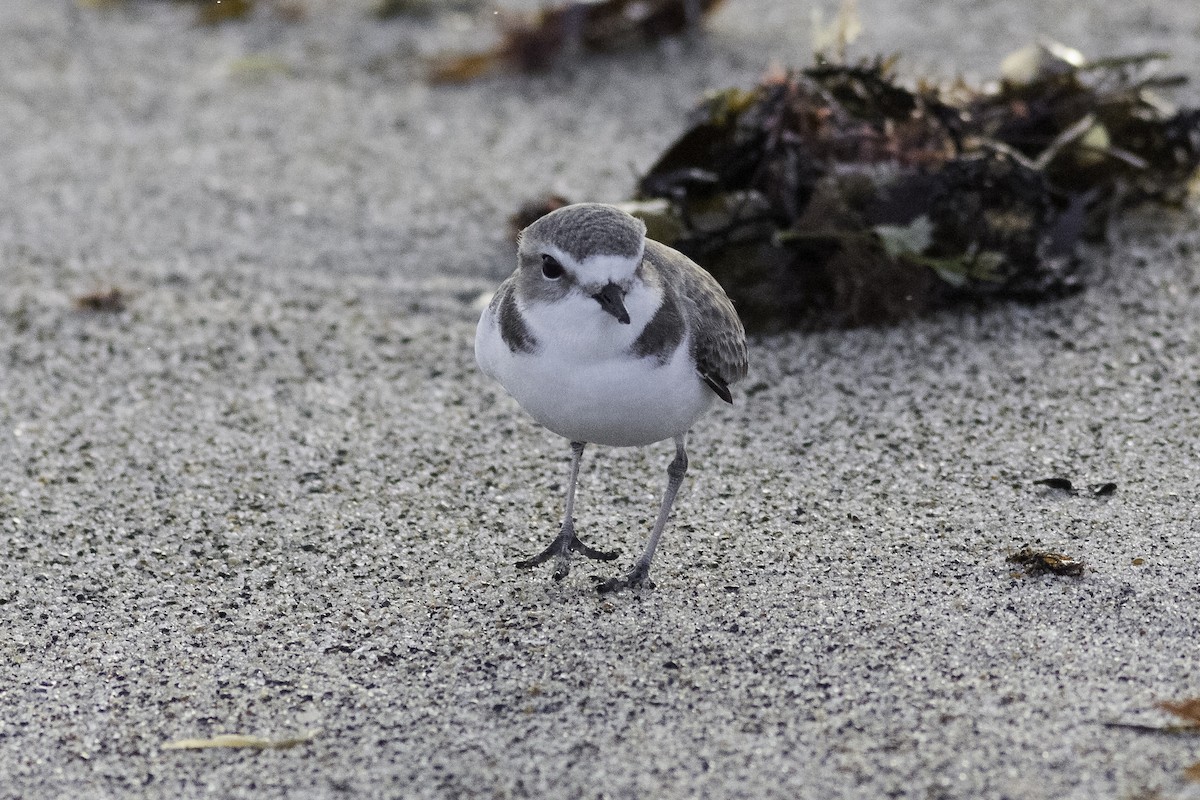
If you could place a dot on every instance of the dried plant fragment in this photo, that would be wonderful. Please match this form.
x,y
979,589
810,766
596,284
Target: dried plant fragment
x,y
1040,562
214,12
237,740
387,9
831,39
1147,794
111,301
1187,710
533,44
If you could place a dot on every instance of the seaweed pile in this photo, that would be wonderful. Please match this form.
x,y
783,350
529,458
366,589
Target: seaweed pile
x,y
835,195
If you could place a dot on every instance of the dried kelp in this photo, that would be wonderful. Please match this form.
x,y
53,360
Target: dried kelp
x,y
535,43
837,194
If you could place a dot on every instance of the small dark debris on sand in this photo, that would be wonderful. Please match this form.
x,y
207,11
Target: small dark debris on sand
x,y
1041,562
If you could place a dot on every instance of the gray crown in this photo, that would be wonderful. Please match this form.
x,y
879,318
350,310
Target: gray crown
x,y
589,229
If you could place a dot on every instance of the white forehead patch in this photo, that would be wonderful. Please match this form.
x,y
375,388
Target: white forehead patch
x,y
602,269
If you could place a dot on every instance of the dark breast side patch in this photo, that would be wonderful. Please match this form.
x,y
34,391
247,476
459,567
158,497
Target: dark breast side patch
x,y
513,330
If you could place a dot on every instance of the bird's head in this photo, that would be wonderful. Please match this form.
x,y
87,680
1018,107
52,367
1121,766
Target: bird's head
x,y
588,250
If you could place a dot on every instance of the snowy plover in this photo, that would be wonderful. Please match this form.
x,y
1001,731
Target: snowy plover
x,y
605,336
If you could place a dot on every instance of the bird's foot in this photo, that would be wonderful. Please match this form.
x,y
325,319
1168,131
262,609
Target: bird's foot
x,y
561,548
636,578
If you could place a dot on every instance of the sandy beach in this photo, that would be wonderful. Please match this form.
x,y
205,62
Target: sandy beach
x,y
274,496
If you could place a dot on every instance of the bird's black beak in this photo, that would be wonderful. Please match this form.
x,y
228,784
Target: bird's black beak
x,y
612,299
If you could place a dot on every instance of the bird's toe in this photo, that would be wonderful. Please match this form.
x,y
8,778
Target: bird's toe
x,y
636,578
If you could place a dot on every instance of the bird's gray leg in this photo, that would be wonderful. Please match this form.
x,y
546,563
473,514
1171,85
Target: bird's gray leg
x,y
640,574
566,541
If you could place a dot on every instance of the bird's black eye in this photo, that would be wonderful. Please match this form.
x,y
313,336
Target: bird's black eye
x,y
551,269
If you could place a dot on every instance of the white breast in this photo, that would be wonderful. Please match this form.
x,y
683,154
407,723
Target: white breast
x,y
584,384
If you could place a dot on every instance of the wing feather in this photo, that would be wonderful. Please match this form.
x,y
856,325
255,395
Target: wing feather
x,y
718,338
